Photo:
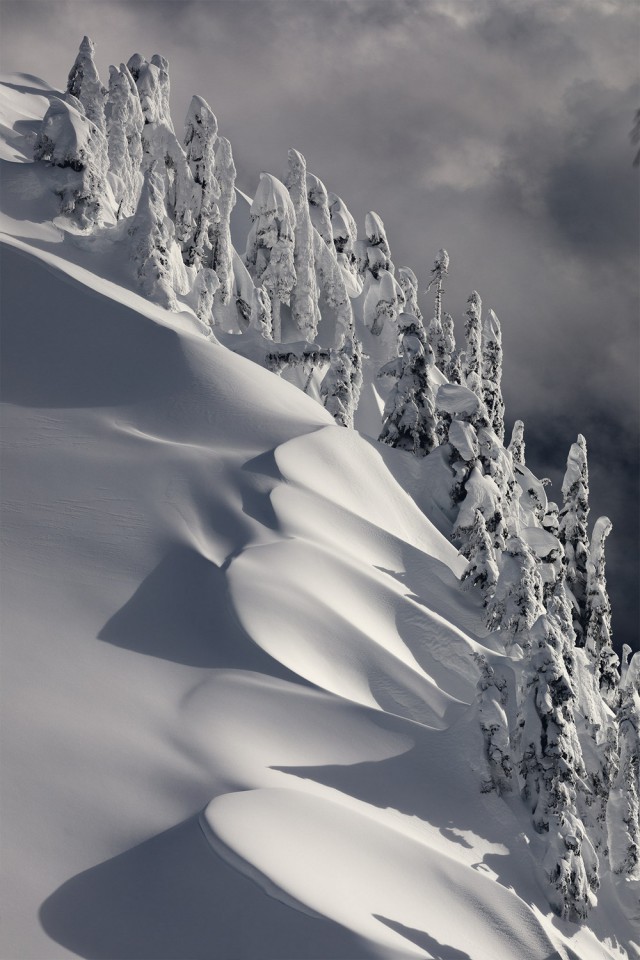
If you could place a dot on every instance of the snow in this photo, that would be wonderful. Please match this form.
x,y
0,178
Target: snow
x,y
239,684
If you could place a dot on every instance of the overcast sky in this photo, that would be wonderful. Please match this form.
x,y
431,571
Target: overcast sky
x,y
498,129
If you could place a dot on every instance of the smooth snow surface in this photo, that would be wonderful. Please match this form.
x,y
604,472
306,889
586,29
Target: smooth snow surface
x,y
239,714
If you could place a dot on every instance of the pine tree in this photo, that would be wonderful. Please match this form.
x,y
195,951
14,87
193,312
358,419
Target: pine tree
x,y
152,237
345,235
435,331
473,352
517,445
124,122
201,133
492,372
221,252
84,84
319,209
69,140
481,569
598,614
270,244
340,388
517,601
550,767
409,421
623,808
450,356
409,284
573,531
333,286
304,296
491,695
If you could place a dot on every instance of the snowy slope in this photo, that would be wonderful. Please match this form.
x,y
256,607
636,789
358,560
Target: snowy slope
x,y
238,686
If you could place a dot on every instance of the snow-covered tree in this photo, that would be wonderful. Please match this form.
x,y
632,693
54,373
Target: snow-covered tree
x,y
153,249
450,359
409,420
205,287
409,284
623,808
319,209
492,372
331,278
491,698
84,84
517,601
435,332
573,530
345,234
472,363
220,256
517,445
550,763
69,140
201,133
340,388
270,244
124,122
304,296
598,615
481,569
383,295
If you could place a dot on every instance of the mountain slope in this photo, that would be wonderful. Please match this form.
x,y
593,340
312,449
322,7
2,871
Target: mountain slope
x,y
239,690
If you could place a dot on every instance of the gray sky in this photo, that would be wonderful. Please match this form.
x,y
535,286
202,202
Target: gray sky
x,y
498,129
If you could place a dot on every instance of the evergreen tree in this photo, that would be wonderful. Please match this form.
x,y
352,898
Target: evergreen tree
x,y
221,252
319,209
492,372
473,353
409,285
331,278
345,235
124,122
201,133
517,601
550,767
573,531
84,84
340,388
598,614
481,569
491,698
270,244
517,445
409,421
69,140
304,296
623,808
435,331
450,356
152,239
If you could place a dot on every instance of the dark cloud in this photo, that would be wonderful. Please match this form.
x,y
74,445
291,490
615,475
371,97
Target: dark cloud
x,y
498,129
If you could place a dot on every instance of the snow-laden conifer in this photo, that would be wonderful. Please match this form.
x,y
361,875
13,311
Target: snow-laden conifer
x,y
270,244
623,807
205,287
517,600
481,569
472,364
491,696
409,284
319,209
409,420
200,135
383,302
598,614
260,316
221,249
153,252
340,388
550,766
492,372
69,140
84,84
304,296
124,122
573,530
435,331
516,445
450,355
345,234
331,278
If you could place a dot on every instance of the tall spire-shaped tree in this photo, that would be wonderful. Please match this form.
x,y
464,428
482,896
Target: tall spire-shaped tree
x,y
473,352
221,255
492,372
304,296
573,531
517,601
435,334
517,445
409,415
201,133
84,84
124,122
598,614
